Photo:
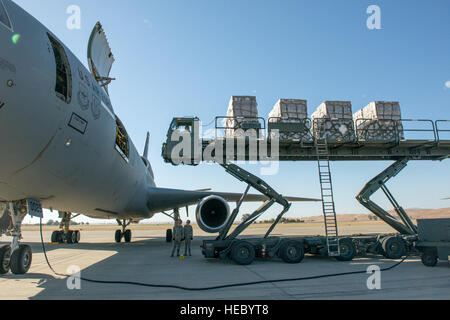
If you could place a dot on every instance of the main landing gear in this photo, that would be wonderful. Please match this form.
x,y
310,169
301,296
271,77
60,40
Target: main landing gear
x,y
65,235
175,215
15,257
124,233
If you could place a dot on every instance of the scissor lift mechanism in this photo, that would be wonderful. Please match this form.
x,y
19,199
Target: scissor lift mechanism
x,y
400,151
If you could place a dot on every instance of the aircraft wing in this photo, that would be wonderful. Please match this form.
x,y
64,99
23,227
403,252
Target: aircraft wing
x,y
161,199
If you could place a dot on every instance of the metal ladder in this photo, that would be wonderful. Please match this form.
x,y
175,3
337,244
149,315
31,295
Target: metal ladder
x,y
326,187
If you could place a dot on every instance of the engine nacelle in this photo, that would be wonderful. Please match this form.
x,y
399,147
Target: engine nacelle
x,y
212,214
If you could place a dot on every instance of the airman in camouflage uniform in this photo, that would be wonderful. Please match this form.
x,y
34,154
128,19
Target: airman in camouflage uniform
x,y
178,235
188,237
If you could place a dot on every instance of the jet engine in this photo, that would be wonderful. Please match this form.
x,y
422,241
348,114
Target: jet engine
x,y
212,214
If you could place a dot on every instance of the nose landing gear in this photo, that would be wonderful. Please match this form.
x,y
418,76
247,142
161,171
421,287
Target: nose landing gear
x,y
124,233
16,257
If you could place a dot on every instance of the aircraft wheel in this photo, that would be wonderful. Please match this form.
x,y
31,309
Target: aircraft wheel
x,y
127,235
347,249
292,252
61,237
243,253
77,236
118,236
21,259
55,236
169,236
71,237
5,254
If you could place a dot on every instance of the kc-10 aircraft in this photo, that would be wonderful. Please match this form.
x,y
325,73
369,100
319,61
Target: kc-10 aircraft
x,y
63,147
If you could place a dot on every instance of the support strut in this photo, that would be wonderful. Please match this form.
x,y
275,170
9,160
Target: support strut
x,y
260,185
405,226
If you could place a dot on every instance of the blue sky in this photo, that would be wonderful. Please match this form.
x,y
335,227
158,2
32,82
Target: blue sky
x,y
176,58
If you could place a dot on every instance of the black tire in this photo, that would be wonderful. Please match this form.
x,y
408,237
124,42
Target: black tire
x,y
55,237
127,236
61,237
430,258
118,236
5,254
347,249
21,259
243,253
77,236
70,237
393,247
292,251
169,236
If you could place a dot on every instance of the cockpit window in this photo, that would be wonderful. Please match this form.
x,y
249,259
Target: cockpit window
x,y
122,141
4,19
63,86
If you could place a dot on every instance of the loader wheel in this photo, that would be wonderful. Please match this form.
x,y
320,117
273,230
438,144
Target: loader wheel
x,y
393,247
21,259
347,249
243,253
292,252
5,254
430,258
169,236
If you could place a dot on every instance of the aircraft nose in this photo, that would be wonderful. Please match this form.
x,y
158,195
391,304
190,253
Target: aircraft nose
x,y
28,116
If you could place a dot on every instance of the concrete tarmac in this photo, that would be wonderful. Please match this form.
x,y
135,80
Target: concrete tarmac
x,y
147,260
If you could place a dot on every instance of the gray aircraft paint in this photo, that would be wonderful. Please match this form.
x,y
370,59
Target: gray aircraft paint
x,y
88,174
64,154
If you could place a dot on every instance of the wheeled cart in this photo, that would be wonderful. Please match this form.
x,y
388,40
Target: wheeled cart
x,y
434,240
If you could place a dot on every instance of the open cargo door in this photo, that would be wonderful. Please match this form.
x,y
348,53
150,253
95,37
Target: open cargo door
x,y
100,57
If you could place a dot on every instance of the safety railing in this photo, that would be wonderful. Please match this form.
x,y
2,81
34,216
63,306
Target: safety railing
x,y
441,132
238,127
417,132
335,131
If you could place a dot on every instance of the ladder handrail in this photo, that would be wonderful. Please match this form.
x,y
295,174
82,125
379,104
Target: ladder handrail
x,y
328,207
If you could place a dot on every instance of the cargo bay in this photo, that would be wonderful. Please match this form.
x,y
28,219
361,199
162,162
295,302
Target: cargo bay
x,y
332,133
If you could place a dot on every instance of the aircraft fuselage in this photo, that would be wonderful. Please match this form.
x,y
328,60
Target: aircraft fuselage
x,y
59,142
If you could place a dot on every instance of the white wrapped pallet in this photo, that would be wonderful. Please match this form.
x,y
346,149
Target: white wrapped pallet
x,y
379,121
241,110
334,120
294,111
289,109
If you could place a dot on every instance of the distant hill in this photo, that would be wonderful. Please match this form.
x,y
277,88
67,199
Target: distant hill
x,y
413,213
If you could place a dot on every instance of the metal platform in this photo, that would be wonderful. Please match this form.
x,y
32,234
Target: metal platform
x,y
427,143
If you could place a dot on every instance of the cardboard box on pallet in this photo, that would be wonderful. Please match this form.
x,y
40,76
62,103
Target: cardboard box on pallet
x,y
333,120
292,111
241,110
379,121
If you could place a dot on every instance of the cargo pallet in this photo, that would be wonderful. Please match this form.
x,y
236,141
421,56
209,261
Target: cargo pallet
x,y
311,148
